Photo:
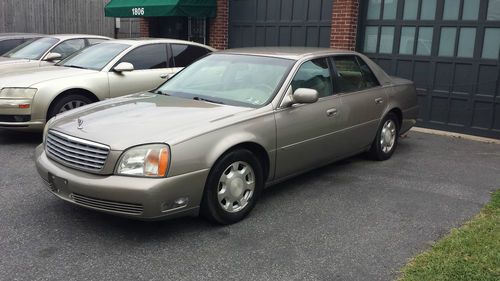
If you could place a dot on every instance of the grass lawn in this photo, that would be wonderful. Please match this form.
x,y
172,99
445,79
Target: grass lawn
x,y
468,253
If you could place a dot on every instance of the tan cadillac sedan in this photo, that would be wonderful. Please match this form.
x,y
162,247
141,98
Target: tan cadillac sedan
x,y
211,138
46,50
30,97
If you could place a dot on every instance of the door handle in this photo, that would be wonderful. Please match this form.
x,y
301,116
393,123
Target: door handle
x,y
379,100
331,112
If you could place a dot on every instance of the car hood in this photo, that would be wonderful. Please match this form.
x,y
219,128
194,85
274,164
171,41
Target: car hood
x,y
143,118
7,61
30,77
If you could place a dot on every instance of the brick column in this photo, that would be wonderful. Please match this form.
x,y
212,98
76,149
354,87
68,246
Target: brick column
x,y
218,26
144,27
344,24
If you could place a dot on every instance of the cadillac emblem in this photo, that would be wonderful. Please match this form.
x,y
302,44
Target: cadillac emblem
x,y
80,123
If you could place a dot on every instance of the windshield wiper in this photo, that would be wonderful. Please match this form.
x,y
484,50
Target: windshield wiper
x,y
207,100
74,66
159,92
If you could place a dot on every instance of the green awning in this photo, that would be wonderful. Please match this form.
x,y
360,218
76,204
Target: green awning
x,y
160,8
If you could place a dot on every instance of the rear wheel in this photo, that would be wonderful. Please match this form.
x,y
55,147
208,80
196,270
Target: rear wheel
x,y
233,187
386,140
68,102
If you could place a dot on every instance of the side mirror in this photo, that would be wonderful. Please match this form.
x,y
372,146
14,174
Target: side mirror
x,y
124,67
305,95
52,57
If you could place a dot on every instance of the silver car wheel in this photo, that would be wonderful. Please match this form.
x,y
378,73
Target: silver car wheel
x,y
72,105
236,187
388,136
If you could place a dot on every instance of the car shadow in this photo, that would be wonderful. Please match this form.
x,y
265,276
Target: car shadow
x,y
17,137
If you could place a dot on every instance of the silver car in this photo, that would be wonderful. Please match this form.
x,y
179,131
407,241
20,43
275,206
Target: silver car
x,y
211,138
30,97
46,50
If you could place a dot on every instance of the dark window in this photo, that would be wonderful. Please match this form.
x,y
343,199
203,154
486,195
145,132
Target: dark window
x,y
350,76
7,45
147,57
314,74
68,47
184,55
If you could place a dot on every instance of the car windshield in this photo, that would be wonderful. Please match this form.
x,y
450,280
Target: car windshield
x,y
33,50
95,57
242,80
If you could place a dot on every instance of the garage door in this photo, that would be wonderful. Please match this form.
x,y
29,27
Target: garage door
x,y
450,49
279,23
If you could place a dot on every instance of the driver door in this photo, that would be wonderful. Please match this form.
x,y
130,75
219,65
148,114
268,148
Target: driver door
x,y
150,71
307,133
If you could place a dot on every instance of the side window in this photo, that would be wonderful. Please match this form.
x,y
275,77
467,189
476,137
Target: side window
x,y
147,57
368,76
350,76
7,45
93,41
68,47
314,74
184,55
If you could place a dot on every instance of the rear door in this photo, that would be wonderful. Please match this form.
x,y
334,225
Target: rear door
x,y
150,70
363,98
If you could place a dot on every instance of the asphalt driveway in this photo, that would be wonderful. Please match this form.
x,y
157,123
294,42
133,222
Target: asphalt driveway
x,y
354,220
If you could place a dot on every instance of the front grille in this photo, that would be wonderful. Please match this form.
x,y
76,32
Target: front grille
x,y
121,207
75,152
15,118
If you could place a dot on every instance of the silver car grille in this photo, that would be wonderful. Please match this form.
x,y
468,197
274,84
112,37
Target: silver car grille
x,y
113,206
76,152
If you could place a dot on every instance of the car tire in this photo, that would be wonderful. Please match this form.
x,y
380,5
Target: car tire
x,y
233,187
386,140
67,102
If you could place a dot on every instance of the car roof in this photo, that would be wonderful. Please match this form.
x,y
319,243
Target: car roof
x,y
71,36
144,41
19,35
294,53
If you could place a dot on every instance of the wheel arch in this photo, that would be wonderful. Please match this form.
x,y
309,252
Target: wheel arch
x,y
67,92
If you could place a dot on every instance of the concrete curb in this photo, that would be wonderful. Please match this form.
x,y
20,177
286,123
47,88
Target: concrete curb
x,y
454,135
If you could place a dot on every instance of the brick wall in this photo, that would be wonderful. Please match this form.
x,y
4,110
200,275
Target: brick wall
x,y
144,27
344,24
218,26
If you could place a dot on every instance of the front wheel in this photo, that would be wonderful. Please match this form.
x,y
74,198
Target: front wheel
x,y
386,140
68,102
233,187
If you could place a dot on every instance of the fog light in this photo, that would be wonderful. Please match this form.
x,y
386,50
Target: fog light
x,y
181,202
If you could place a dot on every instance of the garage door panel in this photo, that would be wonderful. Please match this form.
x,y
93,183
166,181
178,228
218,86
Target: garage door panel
x,y
439,109
459,112
464,80
443,77
487,82
280,23
421,74
483,115
404,69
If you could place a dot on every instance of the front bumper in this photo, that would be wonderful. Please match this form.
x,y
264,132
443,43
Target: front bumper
x,y
14,117
139,198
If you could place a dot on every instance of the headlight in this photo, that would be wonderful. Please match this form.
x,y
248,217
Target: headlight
x,y
24,93
150,160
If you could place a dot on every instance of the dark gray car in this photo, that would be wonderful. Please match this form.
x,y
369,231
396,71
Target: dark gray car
x,y
213,136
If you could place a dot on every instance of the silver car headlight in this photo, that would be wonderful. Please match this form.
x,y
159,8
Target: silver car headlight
x,y
16,93
152,160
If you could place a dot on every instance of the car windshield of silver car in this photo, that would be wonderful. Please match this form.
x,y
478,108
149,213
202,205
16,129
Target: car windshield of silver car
x,y
241,80
94,57
32,50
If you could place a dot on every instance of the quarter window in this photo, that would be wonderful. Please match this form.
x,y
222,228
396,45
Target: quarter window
x,y
352,74
184,55
314,74
147,57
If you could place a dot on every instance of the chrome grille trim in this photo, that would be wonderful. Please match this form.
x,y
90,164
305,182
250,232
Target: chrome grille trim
x,y
75,152
121,207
